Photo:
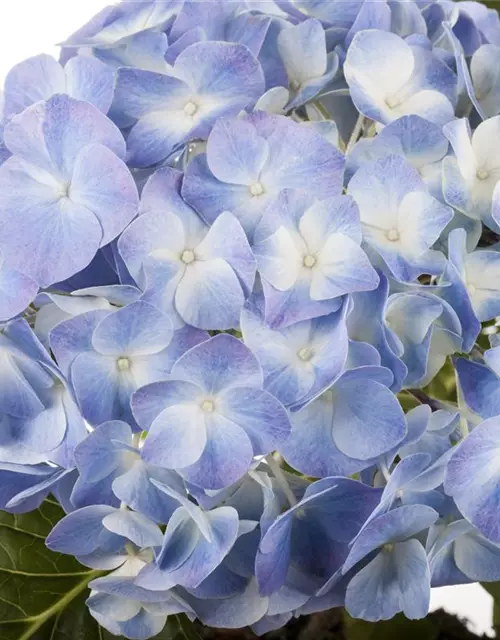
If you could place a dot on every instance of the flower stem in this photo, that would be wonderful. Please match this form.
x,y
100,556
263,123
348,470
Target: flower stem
x,y
281,479
355,132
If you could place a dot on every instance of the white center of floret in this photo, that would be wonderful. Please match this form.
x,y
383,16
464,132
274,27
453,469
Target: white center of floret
x,y
305,354
256,189
63,190
207,406
482,174
123,364
187,256
393,235
309,262
190,108
471,289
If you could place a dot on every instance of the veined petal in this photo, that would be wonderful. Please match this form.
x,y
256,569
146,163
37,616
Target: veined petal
x,y
210,295
138,329
226,458
42,234
235,153
177,437
102,183
90,80
343,267
51,134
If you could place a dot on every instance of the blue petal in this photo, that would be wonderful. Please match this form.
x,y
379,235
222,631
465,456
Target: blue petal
x,y
89,80
472,478
149,401
220,363
391,527
209,295
249,152
98,455
31,80
236,253
359,430
311,448
480,387
394,581
51,134
221,613
79,532
227,455
259,414
103,393
135,527
135,489
137,329
177,437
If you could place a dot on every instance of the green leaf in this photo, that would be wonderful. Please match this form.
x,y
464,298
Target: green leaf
x,y
42,593
187,628
407,401
443,385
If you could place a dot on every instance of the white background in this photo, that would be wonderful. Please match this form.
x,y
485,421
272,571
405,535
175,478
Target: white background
x,y
28,27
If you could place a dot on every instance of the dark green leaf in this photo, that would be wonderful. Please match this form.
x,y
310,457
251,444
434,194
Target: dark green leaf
x,y
443,385
42,593
187,628
407,401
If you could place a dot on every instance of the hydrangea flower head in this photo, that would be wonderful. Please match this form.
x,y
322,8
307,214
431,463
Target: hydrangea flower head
x,y
249,268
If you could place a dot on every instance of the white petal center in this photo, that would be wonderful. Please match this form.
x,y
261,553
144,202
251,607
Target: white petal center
x,y
190,108
187,256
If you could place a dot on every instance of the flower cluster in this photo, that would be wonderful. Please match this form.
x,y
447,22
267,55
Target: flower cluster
x,y
235,234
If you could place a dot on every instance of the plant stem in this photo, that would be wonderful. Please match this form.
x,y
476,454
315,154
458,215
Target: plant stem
x,y
462,408
281,479
355,132
383,469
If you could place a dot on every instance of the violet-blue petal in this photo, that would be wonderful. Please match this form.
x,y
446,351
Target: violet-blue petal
x,y
219,363
394,581
472,478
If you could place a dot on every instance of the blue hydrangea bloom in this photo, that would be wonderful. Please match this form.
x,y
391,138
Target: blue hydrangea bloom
x,y
117,23
287,540
459,554
410,79
186,268
41,77
194,545
348,426
399,218
109,355
471,175
67,177
212,415
420,142
242,245
251,160
112,472
208,80
301,360
308,256
39,413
